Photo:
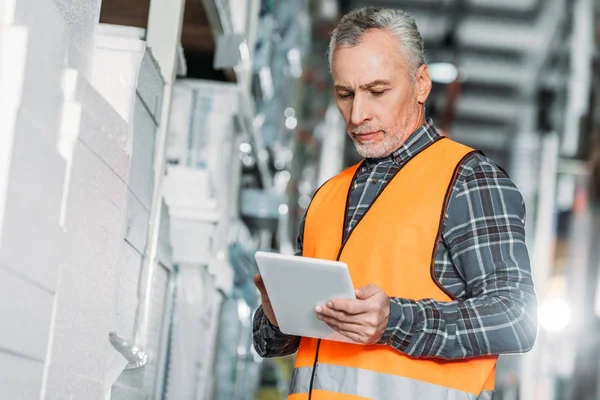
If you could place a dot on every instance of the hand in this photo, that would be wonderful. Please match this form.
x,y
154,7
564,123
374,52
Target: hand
x,y
264,298
363,320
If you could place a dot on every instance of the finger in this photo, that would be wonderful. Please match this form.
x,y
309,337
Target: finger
x,y
340,326
368,291
258,282
349,331
340,319
352,307
329,312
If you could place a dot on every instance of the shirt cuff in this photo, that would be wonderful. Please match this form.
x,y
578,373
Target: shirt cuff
x,y
267,329
400,329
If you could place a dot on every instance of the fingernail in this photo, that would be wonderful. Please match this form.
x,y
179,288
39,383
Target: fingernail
x,y
330,304
318,309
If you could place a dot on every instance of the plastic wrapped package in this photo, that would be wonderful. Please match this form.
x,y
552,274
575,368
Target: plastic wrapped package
x,y
201,125
236,366
193,334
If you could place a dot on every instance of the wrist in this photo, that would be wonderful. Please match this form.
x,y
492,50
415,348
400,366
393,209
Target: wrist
x,y
394,316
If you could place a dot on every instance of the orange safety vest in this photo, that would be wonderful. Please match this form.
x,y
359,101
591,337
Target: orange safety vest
x,y
393,246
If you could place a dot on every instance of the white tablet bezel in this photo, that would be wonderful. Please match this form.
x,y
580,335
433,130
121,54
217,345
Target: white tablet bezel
x,y
296,285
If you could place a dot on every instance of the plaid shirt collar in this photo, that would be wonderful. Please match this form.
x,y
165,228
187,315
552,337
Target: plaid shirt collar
x,y
421,138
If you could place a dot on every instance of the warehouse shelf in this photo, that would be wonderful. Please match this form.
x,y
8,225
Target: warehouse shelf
x,y
221,24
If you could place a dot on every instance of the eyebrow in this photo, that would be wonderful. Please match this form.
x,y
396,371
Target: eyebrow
x,y
369,85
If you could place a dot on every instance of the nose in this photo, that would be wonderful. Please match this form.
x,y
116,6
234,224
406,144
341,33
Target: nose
x,y
360,110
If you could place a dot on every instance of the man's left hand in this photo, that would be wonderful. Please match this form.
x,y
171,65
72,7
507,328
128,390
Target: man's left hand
x,y
362,320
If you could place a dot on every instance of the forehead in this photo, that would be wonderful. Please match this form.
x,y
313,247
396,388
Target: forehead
x,y
376,56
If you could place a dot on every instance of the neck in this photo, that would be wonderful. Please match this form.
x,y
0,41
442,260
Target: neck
x,y
420,120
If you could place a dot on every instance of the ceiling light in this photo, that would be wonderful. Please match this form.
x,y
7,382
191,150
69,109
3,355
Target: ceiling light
x,y
443,72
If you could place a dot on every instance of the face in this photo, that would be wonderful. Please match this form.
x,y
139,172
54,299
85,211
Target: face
x,y
381,105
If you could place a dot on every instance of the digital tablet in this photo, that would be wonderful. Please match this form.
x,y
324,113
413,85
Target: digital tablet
x,y
296,285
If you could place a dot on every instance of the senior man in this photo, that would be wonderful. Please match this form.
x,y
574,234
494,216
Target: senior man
x,y
432,231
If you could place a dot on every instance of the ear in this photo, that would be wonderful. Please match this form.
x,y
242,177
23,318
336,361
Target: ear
x,y
423,84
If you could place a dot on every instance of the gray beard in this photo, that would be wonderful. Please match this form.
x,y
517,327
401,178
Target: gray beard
x,y
387,146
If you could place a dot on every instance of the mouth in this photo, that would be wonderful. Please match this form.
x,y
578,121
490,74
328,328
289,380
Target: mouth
x,y
364,137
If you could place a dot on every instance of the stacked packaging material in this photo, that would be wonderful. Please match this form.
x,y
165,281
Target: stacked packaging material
x,y
74,181
193,220
94,205
193,334
126,75
200,194
201,140
35,44
193,215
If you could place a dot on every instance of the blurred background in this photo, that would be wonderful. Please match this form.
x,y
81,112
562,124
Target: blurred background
x,y
148,148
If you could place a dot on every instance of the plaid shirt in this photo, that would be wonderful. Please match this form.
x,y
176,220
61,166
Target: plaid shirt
x,y
482,259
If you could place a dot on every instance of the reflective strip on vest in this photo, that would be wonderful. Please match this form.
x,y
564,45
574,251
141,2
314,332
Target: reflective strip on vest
x,y
373,385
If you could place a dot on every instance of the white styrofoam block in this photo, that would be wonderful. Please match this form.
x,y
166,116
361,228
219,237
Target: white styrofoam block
x,y
126,312
13,45
187,187
79,19
25,310
82,323
191,241
122,31
131,262
20,378
13,59
46,49
67,383
150,85
37,172
102,128
223,272
141,178
115,71
138,218
105,133
25,228
93,251
90,172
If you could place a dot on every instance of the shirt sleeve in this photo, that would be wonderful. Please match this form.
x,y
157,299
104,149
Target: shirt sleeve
x,y
484,233
268,340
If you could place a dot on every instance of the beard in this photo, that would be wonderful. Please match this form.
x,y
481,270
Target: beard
x,y
391,141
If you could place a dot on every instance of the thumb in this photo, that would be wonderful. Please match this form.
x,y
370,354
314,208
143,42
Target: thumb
x,y
368,291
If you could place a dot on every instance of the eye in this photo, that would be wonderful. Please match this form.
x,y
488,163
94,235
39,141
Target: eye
x,y
344,95
378,93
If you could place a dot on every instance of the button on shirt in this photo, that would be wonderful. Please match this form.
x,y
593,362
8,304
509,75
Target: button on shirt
x,y
482,261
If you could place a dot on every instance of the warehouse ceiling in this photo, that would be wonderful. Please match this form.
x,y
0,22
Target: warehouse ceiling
x,y
506,50
196,37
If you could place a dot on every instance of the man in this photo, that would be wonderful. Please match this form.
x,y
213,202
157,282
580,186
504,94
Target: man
x,y
432,232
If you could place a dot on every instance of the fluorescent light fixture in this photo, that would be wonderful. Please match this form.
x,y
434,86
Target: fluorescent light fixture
x,y
443,72
554,314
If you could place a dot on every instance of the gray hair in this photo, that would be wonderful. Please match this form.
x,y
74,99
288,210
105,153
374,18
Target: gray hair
x,y
399,23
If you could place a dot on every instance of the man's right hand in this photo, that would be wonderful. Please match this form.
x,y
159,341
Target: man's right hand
x,y
264,297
